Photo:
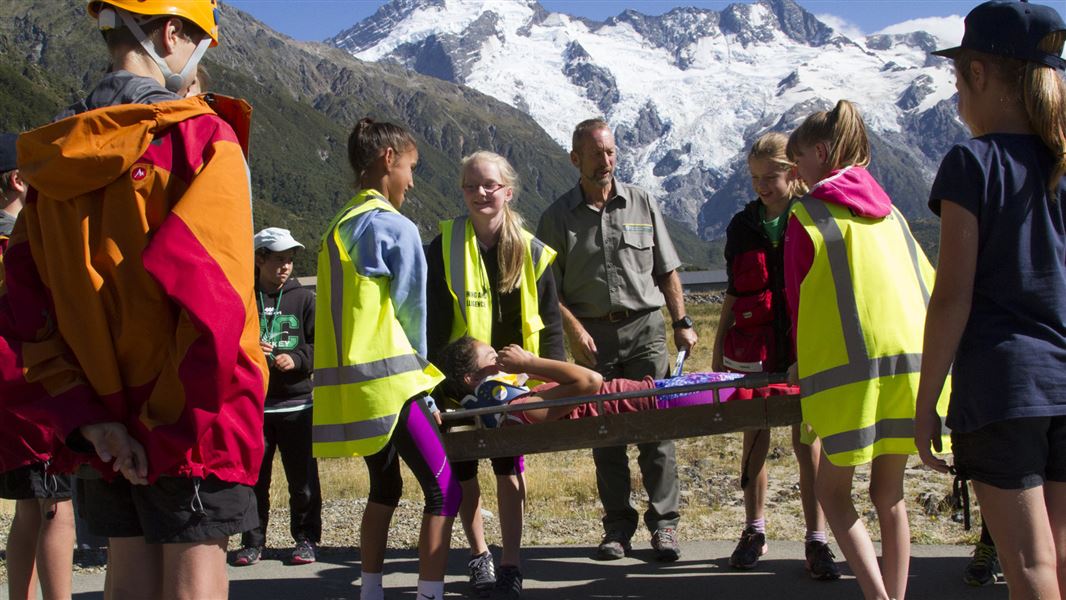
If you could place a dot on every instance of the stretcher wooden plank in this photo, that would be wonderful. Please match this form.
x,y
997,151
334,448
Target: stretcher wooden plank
x,y
622,429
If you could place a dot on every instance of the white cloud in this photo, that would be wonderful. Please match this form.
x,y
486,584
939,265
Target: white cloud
x,y
947,30
843,27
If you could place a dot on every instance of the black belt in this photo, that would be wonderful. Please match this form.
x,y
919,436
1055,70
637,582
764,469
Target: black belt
x,y
622,315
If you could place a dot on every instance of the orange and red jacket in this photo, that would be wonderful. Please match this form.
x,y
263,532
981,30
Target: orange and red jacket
x,y
129,287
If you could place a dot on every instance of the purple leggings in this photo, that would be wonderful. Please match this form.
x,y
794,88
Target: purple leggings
x,y
417,441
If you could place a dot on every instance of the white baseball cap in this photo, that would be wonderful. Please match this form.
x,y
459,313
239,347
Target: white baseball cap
x,y
276,239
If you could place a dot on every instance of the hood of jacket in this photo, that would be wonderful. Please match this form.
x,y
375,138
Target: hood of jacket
x,y
121,87
88,151
855,189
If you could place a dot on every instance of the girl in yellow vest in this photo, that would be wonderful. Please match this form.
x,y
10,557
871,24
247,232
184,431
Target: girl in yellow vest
x,y
491,279
996,314
371,377
857,285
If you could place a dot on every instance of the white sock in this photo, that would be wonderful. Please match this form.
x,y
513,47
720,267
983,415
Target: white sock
x,y
430,590
370,587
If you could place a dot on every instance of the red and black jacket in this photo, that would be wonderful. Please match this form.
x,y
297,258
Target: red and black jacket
x,y
758,341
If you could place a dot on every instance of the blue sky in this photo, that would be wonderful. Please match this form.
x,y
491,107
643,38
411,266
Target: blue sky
x,y
320,19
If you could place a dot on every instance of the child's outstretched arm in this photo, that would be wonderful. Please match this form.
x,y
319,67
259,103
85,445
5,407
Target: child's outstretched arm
x,y
574,380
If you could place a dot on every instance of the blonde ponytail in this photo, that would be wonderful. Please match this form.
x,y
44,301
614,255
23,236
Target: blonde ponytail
x,y
1044,96
510,250
841,129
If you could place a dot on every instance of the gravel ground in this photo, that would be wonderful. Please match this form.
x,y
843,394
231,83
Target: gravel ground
x,y
563,508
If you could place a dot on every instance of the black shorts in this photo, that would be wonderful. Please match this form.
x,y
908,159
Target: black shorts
x,y
1016,454
502,467
173,510
31,481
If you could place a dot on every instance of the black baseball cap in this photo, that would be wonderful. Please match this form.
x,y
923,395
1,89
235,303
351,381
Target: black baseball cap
x,y
1011,29
8,154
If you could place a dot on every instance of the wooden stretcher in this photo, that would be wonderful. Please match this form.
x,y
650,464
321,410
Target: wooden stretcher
x,y
469,442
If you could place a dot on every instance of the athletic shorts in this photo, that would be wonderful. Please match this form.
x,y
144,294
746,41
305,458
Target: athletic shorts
x,y
1015,454
416,440
501,467
31,481
173,510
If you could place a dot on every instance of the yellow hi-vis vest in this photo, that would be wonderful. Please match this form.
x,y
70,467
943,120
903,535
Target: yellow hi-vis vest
x,y
859,332
471,292
365,367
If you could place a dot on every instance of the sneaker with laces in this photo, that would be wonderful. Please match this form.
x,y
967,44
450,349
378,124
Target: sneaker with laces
x,y
664,542
248,555
984,566
508,582
751,546
820,563
304,553
614,546
482,573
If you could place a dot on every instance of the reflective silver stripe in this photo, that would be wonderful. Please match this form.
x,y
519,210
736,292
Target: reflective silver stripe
x,y
849,441
536,249
378,369
863,370
912,247
352,432
336,289
860,367
837,252
456,257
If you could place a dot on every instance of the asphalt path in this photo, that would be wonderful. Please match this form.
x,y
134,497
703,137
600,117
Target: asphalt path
x,y
568,572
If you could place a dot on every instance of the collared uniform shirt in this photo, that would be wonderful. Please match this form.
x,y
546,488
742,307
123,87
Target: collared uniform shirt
x,y
608,260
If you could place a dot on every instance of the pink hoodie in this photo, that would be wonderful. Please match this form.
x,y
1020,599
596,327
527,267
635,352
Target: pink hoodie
x,y
851,187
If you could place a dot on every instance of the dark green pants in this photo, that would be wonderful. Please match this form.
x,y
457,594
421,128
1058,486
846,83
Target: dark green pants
x,y
634,348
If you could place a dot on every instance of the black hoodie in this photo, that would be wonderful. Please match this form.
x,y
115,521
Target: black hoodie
x,y
292,331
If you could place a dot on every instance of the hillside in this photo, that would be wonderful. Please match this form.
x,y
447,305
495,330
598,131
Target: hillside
x,y
305,96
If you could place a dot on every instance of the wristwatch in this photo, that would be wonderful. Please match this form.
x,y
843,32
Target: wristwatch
x,y
684,322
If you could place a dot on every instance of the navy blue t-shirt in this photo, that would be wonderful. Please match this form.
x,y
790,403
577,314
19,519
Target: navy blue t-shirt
x,y
1011,361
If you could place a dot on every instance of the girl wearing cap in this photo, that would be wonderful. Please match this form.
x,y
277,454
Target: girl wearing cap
x,y
287,337
496,279
371,375
1000,292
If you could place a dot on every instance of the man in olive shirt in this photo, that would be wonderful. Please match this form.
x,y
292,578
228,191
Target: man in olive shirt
x,y
615,268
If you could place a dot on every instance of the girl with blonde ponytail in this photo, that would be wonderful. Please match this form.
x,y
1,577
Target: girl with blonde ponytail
x,y
996,312
857,284
491,279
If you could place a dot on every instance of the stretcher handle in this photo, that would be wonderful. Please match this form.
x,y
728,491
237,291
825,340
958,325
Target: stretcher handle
x,y
756,380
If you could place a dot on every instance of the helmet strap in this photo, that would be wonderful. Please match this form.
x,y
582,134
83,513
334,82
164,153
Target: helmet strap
x,y
173,81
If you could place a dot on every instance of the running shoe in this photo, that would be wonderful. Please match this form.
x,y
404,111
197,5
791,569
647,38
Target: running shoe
x,y
508,582
304,553
664,542
248,555
751,546
615,545
482,573
820,563
984,566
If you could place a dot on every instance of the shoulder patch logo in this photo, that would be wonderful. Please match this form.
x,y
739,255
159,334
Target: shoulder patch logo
x,y
138,173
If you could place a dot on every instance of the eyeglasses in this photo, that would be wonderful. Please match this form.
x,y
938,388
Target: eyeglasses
x,y
490,189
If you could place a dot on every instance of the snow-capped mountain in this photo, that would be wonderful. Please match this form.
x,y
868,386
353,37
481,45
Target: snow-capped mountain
x,y
687,92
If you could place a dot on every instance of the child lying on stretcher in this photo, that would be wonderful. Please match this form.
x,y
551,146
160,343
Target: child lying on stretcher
x,y
482,377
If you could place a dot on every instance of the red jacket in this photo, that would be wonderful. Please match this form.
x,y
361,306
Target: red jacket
x,y
129,291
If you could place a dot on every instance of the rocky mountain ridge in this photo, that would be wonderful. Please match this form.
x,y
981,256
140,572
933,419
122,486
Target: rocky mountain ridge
x,y
687,91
